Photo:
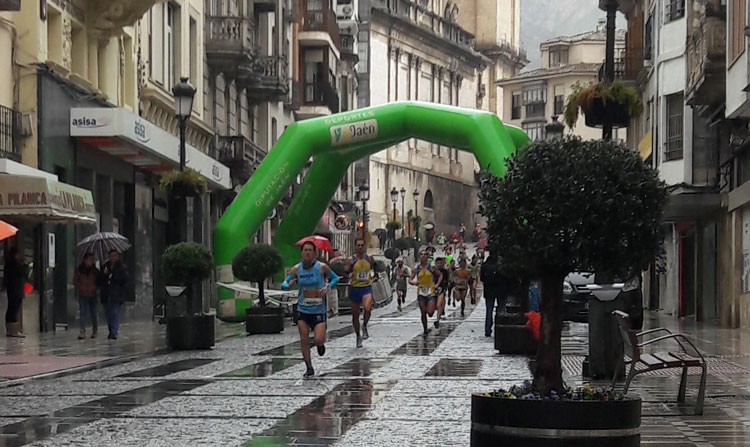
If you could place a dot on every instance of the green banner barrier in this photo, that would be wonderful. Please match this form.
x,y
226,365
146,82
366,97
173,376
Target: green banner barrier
x,y
335,142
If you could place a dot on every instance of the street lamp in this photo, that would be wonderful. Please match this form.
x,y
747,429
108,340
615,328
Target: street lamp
x,y
403,223
184,93
554,129
416,213
394,199
364,196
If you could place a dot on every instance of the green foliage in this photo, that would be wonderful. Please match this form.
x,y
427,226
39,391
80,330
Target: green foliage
x,y
583,97
392,253
416,220
184,183
380,267
403,243
186,262
393,225
257,262
571,205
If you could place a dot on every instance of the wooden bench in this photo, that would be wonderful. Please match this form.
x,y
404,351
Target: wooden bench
x,y
641,362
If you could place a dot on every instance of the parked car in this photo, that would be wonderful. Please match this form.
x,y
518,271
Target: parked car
x,y
580,287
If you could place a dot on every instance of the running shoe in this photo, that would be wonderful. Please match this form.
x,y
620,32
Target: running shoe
x,y
359,341
365,335
321,350
310,372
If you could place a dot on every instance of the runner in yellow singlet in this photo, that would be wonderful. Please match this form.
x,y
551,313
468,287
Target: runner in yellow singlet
x,y
359,268
462,278
425,278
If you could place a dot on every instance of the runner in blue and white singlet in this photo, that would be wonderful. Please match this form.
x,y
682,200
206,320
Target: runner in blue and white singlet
x,y
310,275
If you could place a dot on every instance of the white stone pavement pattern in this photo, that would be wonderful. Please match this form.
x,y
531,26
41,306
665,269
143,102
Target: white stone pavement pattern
x,y
385,394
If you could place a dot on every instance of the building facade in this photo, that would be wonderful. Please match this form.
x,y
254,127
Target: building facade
x,y
421,52
533,98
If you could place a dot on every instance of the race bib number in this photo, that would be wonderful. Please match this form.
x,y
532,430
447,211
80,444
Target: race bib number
x,y
425,291
363,276
311,297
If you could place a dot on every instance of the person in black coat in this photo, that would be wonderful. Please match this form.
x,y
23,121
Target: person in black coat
x,y
15,273
496,287
113,281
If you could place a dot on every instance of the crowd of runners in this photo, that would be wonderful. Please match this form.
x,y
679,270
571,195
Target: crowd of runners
x,y
452,276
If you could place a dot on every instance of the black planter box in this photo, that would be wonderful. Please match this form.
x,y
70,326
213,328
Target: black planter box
x,y
511,335
188,333
264,320
562,423
598,113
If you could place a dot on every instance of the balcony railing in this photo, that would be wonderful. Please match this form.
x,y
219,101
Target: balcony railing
x,y
231,41
270,79
706,61
241,155
274,67
321,93
627,66
422,15
323,20
10,134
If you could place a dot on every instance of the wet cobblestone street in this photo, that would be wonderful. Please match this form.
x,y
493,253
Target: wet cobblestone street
x,y
400,389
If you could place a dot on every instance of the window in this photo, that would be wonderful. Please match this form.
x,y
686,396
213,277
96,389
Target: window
x,y
515,108
558,56
164,38
194,54
675,110
169,39
648,39
737,29
559,100
428,199
534,99
674,9
535,131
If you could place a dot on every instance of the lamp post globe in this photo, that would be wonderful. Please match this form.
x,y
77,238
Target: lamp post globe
x,y
184,94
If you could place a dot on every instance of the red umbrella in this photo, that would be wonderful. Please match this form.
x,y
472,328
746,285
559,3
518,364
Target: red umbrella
x,y
482,244
320,242
7,230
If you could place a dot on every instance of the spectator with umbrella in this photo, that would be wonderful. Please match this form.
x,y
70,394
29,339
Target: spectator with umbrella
x,y
113,280
16,273
100,244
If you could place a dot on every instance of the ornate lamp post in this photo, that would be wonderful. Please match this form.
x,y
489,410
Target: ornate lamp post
x,y
415,194
403,223
184,93
394,199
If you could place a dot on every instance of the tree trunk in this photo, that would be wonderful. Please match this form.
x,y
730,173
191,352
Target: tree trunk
x,y
261,295
548,374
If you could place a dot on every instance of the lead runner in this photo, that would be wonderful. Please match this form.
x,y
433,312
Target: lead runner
x,y
311,305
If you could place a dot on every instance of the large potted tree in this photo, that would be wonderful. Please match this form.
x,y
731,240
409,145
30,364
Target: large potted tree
x,y
185,266
566,205
257,263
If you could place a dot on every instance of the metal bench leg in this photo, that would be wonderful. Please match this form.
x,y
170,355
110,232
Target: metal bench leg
x,y
683,385
631,375
620,363
701,390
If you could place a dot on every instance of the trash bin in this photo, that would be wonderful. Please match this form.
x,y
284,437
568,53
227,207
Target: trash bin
x,y
605,342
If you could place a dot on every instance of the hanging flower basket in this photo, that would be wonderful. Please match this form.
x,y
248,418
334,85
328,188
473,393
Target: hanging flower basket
x,y
187,183
602,104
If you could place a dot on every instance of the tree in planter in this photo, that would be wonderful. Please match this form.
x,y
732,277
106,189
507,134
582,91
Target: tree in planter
x,y
571,205
186,264
256,263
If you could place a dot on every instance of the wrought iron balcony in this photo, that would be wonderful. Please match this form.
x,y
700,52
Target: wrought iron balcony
x,y
241,155
628,65
231,45
10,134
348,48
706,61
271,78
323,20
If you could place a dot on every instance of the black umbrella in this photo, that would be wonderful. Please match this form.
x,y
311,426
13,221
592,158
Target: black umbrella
x,y
100,245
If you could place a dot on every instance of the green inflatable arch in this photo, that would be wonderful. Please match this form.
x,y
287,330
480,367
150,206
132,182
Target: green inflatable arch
x,y
335,142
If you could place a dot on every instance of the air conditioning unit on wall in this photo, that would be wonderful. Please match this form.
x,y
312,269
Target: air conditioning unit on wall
x,y
345,11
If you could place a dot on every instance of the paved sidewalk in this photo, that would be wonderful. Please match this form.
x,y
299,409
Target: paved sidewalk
x,y
400,389
54,352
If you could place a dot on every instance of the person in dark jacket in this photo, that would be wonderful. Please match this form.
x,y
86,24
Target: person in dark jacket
x,y
85,281
113,280
15,273
495,289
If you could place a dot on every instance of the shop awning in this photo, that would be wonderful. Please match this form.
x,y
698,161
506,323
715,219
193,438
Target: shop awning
x,y
45,199
123,134
644,147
